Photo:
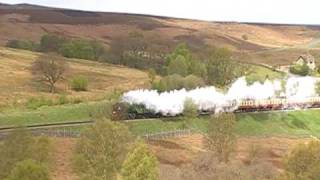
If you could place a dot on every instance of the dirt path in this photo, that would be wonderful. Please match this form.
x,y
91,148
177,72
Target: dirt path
x,y
61,166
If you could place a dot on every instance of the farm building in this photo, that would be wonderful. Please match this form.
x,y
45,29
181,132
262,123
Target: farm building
x,y
307,59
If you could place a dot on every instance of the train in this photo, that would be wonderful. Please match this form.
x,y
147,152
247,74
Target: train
x,y
125,111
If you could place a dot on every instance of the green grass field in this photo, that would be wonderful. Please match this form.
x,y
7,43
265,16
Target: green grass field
x,y
294,123
260,73
50,114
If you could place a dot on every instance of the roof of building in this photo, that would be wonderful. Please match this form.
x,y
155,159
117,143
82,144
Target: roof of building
x,y
307,58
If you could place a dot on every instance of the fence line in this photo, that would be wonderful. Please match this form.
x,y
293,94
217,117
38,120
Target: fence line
x,y
67,133
169,134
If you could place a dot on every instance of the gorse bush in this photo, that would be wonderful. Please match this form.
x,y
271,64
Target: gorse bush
x,y
79,83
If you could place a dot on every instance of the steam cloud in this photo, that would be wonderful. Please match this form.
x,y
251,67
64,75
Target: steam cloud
x,y
210,98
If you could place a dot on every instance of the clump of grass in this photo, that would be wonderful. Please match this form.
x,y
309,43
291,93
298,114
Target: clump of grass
x,y
35,103
79,83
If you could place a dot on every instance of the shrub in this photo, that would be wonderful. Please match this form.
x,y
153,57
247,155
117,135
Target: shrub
x,y
29,170
245,37
63,100
302,70
221,138
178,66
20,145
83,49
79,83
101,150
303,162
192,81
140,164
51,42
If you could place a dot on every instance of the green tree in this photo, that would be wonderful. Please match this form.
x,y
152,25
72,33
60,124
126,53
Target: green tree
x,y
49,68
101,150
192,81
199,69
302,70
180,50
221,138
303,162
98,50
78,48
140,164
29,170
190,111
221,69
20,145
51,42
178,66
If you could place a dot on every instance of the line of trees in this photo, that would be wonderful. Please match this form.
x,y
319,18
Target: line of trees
x,y
184,71
67,47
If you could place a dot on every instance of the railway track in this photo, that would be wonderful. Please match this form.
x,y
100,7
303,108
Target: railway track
x,y
88,122
46,126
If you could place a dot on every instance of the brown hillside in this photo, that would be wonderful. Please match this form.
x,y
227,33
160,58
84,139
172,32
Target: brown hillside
x,y
31,22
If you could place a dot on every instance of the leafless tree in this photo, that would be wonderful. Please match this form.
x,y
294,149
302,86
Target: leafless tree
x,y
49,68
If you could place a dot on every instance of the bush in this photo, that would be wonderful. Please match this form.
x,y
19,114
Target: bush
x,y
101,150
178,66
245,37
79,83
175,81
51,42
303,162
29,170
63,100
20,145
221,138
192,81
82,49
140,164
302,70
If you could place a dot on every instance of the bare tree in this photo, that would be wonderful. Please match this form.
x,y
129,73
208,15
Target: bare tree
x,y
49,68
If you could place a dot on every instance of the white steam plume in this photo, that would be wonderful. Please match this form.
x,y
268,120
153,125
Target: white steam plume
x,y
211,99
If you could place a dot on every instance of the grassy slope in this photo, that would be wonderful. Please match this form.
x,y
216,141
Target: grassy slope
x,y
17,85
259,73
295,123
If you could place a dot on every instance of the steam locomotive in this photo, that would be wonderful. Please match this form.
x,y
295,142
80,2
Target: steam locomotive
x,y
124,111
